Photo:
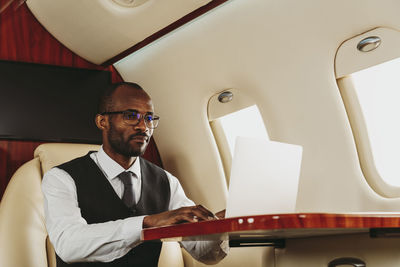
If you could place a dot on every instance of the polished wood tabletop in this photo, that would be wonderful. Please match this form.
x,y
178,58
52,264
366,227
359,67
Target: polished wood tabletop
x,y
278,226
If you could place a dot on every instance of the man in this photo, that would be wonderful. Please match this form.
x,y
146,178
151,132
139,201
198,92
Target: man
x,y
97,205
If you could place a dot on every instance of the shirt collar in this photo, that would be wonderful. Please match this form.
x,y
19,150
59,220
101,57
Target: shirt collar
x,y
112,169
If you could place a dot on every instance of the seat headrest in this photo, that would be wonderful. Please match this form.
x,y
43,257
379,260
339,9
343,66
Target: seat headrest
x,y
54,154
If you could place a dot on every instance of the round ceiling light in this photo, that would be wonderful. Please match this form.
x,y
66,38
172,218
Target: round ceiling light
x,y
129,3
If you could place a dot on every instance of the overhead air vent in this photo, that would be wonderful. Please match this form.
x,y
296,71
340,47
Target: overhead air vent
x,y
129,3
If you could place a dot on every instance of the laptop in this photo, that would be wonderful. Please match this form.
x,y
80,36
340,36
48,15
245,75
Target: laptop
x,y
264,177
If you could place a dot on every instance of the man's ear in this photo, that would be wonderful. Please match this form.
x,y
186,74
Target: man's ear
x,y
100,121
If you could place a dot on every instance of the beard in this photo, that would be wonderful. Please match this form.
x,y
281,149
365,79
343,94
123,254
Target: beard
x,y
122,146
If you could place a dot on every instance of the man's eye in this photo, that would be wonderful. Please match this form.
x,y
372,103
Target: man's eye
x,y
131,115
149,118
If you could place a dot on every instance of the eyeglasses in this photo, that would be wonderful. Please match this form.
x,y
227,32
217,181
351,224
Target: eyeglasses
x,y
133,118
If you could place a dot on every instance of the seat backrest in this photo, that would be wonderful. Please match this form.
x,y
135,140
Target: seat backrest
x,y
23,236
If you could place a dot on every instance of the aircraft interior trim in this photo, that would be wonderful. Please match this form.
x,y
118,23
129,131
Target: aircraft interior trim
x,y
318,78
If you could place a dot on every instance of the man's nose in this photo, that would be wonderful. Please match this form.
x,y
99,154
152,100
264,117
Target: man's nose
x,y
141,125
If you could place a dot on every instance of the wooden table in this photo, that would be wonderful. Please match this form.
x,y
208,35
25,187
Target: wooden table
x,y
273,229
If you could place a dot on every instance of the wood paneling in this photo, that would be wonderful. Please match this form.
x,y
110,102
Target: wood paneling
x,y
12,155
22,38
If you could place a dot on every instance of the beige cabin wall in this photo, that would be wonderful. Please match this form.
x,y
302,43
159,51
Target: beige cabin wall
x,y
281,54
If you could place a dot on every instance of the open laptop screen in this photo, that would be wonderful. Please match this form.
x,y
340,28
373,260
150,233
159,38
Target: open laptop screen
x,y
264,177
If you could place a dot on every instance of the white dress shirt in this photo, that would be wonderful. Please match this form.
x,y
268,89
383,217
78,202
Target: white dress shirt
x,y
75,240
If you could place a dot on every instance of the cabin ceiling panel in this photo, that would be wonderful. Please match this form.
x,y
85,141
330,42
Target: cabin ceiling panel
x,y
281,53
97,30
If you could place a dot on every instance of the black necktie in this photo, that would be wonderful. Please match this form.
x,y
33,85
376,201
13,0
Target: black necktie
x,y
128,197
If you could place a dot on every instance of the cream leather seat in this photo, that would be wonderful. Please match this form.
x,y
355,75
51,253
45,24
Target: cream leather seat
x,y
23,236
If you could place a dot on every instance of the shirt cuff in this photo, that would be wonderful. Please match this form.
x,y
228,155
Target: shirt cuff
x,y
132,230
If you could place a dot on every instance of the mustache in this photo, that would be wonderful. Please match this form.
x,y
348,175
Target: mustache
x,y
139,135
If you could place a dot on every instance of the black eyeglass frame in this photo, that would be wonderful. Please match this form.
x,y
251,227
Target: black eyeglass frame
x,y
125,113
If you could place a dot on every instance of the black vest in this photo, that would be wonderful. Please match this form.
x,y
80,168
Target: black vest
x,y
99,203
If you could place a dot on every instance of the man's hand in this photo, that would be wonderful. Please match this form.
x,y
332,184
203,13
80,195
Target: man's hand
x,y
220,214
181,215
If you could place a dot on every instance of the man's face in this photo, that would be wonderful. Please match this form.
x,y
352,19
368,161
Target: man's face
x,y
122,138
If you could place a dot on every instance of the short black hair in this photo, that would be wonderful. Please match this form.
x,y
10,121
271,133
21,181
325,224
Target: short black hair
x,y
105,102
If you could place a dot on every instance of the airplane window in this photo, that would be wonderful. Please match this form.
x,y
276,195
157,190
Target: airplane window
x,y
378,93
246,122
